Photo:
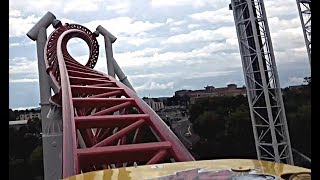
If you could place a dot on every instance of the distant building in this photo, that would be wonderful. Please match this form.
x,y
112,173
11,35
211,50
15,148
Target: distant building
x,y
182,92
155,104
26,115
210,91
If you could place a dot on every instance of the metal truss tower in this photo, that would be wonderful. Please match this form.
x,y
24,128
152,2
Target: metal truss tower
x,y
261,77
304,9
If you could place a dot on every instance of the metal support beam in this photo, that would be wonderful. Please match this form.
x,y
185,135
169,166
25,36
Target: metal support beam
x,y
263,89
51,136
304,8
113,67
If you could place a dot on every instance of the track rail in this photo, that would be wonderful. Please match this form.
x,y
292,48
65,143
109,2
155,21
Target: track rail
x,y
105,124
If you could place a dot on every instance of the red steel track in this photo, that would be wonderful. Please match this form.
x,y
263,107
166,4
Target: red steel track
x,y
117,128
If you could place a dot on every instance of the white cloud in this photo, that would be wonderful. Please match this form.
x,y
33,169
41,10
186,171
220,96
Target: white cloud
x,y
175,3
215,47
175,29
57,6
124,25
165,3
203,35
24,108
155,59
119,7
175,26
281,8
138,41
147,52
169,20
153,75
66,20
277,23
19,26
223,15
18,44
296,80
24,80
81,6
22,65
34,6
207,74
14,13
286,39
294,55
178,23
155,86
192,26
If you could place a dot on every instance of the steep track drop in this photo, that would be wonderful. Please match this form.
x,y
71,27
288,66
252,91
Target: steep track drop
x,y
117,128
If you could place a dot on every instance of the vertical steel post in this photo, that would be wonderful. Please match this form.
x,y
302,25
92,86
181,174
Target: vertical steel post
x,y
263,89
51,137
304,9
115,69
108,40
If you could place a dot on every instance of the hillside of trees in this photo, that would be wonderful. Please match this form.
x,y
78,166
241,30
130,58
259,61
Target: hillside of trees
x,y
225,127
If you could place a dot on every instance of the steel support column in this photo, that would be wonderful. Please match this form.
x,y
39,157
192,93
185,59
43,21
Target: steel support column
x,y
263,89
51,139
304,8
109,39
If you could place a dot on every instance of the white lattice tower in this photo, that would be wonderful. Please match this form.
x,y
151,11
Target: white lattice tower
x,y
304,9
263,89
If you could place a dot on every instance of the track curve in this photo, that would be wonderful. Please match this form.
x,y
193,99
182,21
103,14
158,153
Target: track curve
x,y
105,124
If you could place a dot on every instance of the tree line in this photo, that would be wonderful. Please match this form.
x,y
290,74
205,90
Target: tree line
x,y
225,127
25,150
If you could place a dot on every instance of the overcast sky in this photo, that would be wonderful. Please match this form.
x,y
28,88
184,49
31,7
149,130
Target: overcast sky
x,y
162,45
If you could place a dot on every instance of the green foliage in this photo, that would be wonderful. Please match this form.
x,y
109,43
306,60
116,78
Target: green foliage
x,y
298,111
225,127
12,116
25,151
220,105
34,125
212,120
36,154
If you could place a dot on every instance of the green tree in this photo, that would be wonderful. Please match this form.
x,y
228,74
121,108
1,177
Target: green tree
x,y
34,125
12,116
36,162
224,125
207,123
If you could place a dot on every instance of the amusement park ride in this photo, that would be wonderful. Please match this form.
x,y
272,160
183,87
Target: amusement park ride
x,y
93,121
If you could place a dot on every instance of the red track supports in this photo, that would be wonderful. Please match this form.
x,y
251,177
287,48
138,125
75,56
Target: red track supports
x,y
159,156
120,134
108,94
98,105
108,120
122,154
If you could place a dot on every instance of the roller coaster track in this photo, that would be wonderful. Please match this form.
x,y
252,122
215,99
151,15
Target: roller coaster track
x,y
105,124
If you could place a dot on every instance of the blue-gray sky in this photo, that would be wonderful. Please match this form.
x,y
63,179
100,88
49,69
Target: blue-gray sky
x,y
162,45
